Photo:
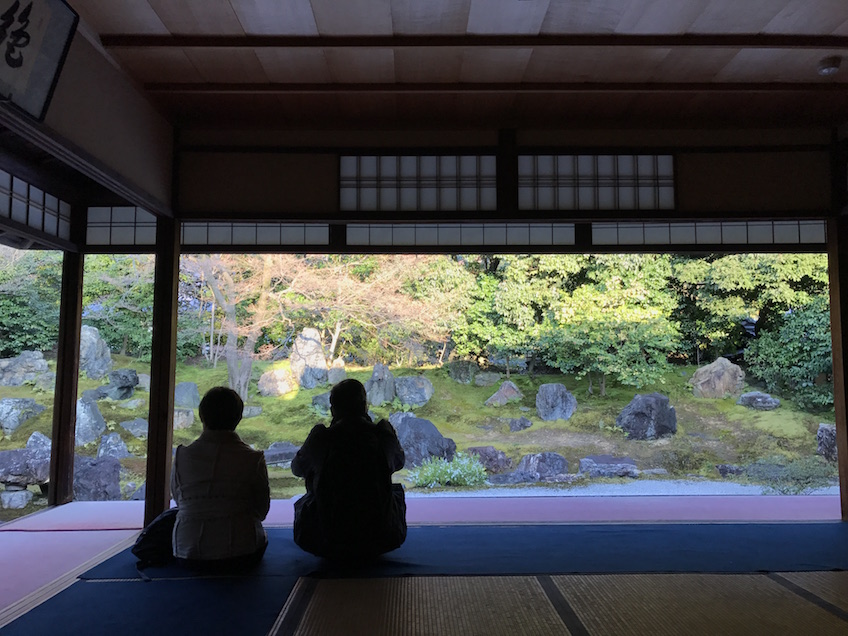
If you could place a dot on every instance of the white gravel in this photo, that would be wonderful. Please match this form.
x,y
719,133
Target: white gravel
x,y
628,489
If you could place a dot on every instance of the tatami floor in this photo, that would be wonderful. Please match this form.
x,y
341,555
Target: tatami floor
x,y
45,552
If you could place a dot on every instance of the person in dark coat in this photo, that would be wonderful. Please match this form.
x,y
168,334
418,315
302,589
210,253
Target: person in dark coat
x,y
351,509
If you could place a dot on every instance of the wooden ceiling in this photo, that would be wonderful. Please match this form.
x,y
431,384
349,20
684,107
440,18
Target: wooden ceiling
x,y
360,64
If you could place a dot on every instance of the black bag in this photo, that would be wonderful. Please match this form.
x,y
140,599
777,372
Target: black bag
x,y
154,545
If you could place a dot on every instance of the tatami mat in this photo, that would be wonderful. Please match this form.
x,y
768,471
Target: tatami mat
x,y
577,605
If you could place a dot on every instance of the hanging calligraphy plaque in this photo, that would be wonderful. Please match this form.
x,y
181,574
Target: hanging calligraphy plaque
x,y
35,36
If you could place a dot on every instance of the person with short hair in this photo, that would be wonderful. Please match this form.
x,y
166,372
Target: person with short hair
x,y
351,509
221,488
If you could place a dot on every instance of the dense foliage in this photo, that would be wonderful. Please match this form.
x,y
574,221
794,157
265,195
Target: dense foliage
x,y
462,470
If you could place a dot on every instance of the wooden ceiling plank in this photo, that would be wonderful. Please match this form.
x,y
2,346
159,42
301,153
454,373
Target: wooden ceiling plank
x,y
132,16
353,17
692,64
157,65
626,64
770,65
732,16
293,65
205,17
494,65
583,16
810,17
660,16
358,66
273,17
227,65
491,17
423,65
413,17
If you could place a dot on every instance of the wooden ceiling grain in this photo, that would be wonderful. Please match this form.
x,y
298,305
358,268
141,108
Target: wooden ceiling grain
x,y
481,63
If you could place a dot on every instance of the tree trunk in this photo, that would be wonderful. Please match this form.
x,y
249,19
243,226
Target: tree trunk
x,y
603,385
591,390
442,353
124,345
507,366
335,341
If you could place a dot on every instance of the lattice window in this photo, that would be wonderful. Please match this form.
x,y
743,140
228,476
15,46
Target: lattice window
x,y
124,225
595,182
255,234
31,206
711,233
460,234
425,183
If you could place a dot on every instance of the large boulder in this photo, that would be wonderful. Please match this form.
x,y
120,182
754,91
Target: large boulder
x,y
321,403
121,385
494,460
826,441
514,477
112,445
27,466
648,417
183,418
507,392
421,440
97,479
280,454
555,402
546,466
718,380
95,355
308,362
487,378
415,390
16,411
336,373
27,367
143,382
136,427
607,466
758,401
90,423
39,445
276,382
15,499
186,395
518,423
462,371
380,387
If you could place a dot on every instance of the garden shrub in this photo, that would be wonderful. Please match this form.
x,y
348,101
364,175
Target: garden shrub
x,y
462,470
796,477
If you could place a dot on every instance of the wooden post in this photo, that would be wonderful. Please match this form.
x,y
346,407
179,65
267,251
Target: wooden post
x,y
61,489
162,368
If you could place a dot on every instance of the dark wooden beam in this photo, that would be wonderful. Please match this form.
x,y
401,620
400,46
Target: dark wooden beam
x,y
541,88
734,41
507,174
162,368
61,489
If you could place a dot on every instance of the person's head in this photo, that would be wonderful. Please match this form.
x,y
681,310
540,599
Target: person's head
x,y
348,399
220,409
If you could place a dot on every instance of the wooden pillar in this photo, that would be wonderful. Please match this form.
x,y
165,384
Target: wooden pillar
x,y
61,489
837,256
162,368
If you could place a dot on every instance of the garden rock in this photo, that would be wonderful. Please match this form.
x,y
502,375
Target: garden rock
x,y
494,460
97,479
758,401
39,445
414,390
121,384
336,372
16,411
308,363
321,402
280,454
487,378
515,477
112,445
507,391
15,468
398,417
95,355
607,466
186,395
729,470
183,418
826,441
136,427
15,499
518,423
275,383
90,423
251,411
132,405
140,493
544,465
717,380
421,440
143,382
462,371
380,387
648,417
92,395
26,367
46,382
555,402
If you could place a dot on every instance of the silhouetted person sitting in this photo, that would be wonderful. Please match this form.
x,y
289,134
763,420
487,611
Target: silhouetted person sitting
x,y
221,488
351,509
